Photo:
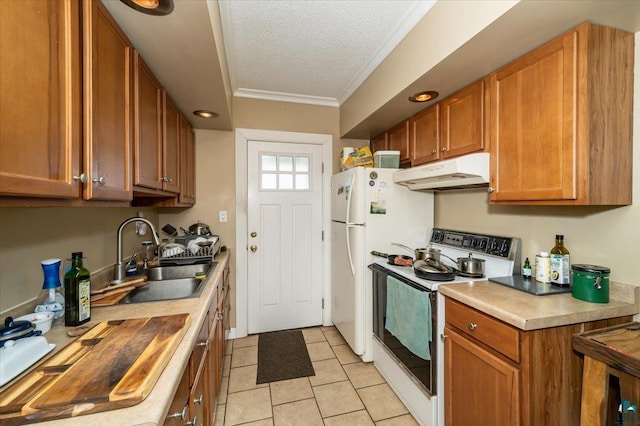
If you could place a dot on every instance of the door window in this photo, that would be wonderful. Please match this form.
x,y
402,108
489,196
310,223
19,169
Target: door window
x,y
279,172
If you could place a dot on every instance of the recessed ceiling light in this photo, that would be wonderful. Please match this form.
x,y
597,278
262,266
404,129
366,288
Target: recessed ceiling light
x,y
424,96
205,114
151,7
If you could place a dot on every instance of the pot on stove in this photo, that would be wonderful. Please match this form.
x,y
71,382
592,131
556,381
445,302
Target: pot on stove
x,y
469,266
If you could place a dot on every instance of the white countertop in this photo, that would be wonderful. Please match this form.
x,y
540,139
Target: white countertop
x,y
153,409
529,312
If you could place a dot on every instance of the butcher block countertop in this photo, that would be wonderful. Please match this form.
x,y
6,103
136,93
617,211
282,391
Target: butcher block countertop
x,y
529,312
152,410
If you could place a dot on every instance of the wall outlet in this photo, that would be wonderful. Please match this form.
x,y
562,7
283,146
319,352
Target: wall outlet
x,y
222,216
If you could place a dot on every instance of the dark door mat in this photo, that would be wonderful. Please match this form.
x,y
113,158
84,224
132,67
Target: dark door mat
x,y
282,355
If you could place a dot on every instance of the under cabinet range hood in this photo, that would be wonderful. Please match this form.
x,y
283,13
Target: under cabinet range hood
x,y
468,171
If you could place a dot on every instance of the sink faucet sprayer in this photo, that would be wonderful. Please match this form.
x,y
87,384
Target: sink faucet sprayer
x,y
120,267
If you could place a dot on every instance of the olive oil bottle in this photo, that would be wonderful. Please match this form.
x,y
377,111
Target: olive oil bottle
x,y
77,289
560,265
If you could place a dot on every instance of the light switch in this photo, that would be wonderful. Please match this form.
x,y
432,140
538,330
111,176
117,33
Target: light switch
x,y
222,216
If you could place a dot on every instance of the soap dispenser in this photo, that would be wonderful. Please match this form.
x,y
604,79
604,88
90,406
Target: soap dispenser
x,y
51,298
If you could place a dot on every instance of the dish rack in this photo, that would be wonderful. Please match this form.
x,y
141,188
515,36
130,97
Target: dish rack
x,y
177,254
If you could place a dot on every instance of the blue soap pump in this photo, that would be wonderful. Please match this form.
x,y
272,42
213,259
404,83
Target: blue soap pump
x,y
51,298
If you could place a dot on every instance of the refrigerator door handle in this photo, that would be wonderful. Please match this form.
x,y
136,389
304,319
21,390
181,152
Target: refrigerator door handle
x,y
353,269
349,196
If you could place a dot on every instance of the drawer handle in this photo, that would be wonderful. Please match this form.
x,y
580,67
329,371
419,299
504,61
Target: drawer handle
x,y
472,326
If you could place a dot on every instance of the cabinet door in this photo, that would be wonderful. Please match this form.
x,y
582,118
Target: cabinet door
x,y
171,146
399,140
179,408
198,400
463,129
107,106
148,126
187,164
40,98
425,136
533,105
379,143
480,388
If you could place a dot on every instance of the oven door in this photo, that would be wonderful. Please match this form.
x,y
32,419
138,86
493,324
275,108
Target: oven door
x,y
422,367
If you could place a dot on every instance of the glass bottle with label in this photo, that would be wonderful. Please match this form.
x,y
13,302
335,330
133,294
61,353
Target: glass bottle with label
x,y
526,269
560,264
77,289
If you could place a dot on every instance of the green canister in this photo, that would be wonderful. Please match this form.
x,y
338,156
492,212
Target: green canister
x,y
590,283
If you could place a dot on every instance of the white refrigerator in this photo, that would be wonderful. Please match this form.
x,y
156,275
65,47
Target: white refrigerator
x,y
368,213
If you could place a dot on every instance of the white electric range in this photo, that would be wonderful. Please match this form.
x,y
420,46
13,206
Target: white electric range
x,y
502,258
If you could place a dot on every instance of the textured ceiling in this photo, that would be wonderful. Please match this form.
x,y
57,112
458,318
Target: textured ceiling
x,y
311,51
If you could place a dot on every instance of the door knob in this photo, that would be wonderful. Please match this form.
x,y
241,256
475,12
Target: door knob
x,y
254,248
254,234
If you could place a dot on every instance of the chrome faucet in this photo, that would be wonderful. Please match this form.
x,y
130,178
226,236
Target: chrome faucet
x,y
120,266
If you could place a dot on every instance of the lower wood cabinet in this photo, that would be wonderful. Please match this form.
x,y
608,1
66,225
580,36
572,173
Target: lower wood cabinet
x,y
497,374
196,399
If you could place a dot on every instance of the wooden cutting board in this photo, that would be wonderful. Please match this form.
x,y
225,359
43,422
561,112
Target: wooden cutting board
x,y
113,365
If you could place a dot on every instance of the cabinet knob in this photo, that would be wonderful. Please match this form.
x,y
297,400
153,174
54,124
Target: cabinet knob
x,y
203,343
253,248
193,422
254,234
83,178
472,326
180,414
166,179
433,151
199,399
100,180
491,189
443,149
443,337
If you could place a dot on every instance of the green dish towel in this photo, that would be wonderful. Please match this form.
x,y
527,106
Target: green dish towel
x,y
406,308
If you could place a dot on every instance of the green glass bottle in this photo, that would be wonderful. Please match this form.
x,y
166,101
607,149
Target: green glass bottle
x,y
77,289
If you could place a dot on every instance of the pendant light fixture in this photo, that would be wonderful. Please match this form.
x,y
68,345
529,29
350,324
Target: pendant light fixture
x,y
151,7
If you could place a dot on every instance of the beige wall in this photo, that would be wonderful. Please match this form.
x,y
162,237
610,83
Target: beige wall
x,y
29,235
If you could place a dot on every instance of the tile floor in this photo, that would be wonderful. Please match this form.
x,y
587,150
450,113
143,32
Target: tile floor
x,y
344,391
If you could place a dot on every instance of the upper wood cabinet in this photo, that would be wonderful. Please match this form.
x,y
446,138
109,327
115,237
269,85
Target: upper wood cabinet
x,y
379,143
107,106
170,146
157,133
462,123
425,135
398,140
43,154
147,95
561,121
188,163
40,99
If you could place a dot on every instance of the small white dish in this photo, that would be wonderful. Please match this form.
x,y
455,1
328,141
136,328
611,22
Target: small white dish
x,y
41,320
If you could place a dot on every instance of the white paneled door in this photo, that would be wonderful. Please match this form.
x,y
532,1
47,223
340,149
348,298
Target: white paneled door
x,y
285,255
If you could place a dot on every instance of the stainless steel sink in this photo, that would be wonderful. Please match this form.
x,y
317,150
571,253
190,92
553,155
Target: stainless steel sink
x,y
162,273
171,282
